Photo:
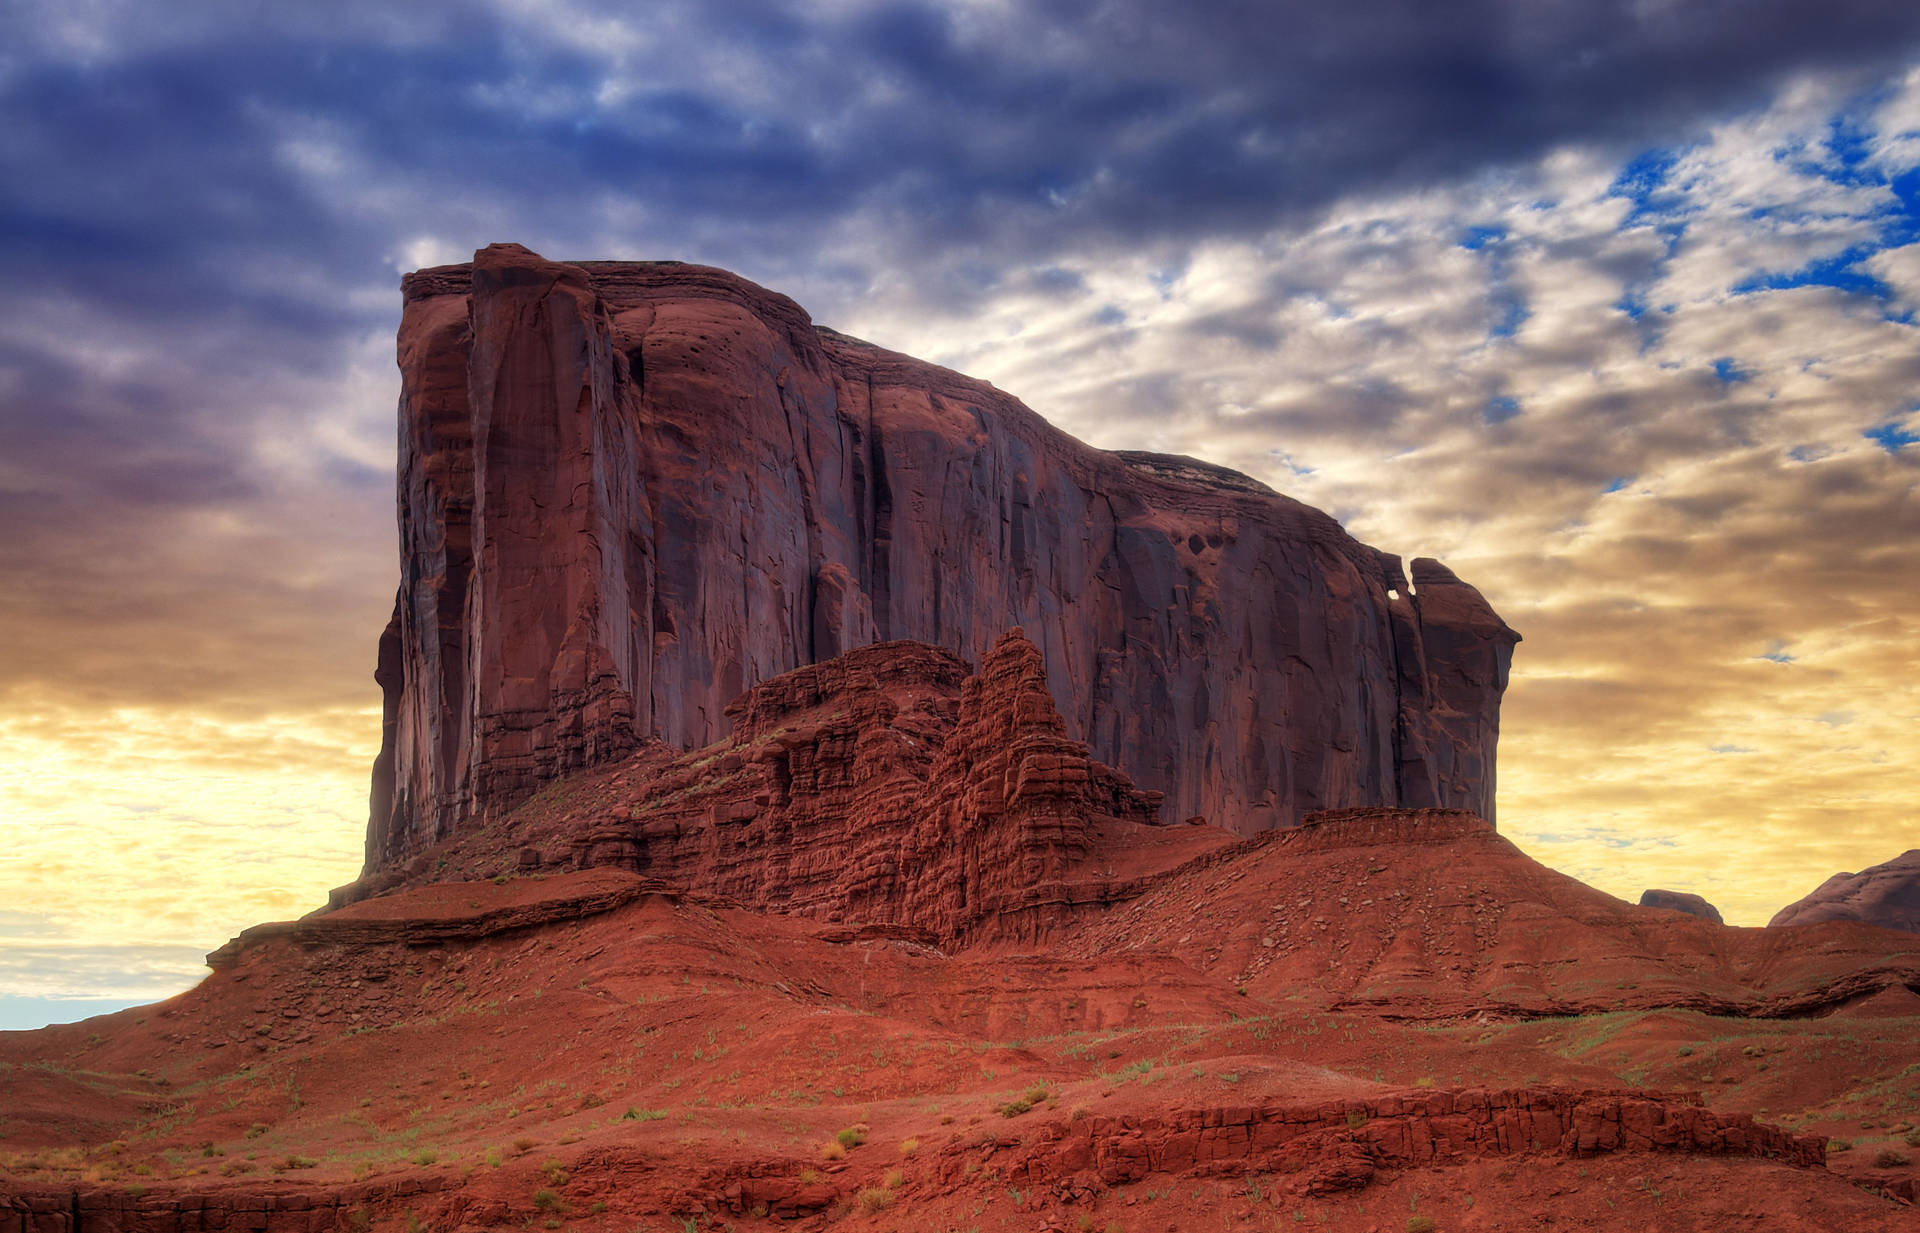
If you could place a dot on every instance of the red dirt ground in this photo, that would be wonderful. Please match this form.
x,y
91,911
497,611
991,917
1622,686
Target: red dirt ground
x,y
1314,1030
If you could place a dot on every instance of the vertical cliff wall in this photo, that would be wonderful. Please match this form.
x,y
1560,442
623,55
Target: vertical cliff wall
x,y
630,491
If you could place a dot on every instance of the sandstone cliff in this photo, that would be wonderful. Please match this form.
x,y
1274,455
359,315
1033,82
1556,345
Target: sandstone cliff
x,y
630,491
1887,895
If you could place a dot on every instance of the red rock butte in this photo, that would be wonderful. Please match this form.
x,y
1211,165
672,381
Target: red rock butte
x,y
631,491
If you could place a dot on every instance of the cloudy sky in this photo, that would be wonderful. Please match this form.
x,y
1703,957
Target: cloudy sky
x,y
1610,305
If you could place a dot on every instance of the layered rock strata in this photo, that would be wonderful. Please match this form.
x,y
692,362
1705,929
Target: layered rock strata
x,y
630,491
885,786
1341,1144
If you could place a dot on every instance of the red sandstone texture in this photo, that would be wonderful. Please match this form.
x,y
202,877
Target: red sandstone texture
x,y
886,785
630,491
1886,895
1681,901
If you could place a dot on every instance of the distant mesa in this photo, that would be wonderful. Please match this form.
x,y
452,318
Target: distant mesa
x,y
631,491
1681,901
1886,895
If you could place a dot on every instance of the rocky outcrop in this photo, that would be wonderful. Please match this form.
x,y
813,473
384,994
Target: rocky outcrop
x,y
630,491
1886,895
255,1207
884,786
1681,901
1339,1145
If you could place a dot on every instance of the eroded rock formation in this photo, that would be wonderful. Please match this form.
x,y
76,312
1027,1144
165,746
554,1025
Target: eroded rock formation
x,y
1681,901
885,786
630,491
1887,895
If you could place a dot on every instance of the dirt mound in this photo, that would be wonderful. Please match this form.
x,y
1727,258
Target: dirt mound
x,y
1429,914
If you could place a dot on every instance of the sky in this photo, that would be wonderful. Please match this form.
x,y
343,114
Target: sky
x,y
1610,305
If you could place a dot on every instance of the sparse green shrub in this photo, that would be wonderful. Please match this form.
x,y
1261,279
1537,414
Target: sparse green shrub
x,y
851,1137
425,1157
875,1199
643,1115
1014,1108
599,1205
1420,1224
909,1146
300,1162
1887,1158
556,1176
523,1146
895,1179
1356,1118
493,1158
1839,1145
547,1199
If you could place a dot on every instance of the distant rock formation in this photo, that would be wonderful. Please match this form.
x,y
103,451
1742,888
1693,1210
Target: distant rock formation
x,y
630,491
1681,901
1887,895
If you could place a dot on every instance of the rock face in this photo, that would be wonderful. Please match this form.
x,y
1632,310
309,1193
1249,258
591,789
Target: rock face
x,y
630,491
1681,901
885,786
1886,895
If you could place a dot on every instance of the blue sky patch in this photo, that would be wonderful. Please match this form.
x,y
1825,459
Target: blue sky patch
x,y
1500,408
1645,181
1841,271
1891,437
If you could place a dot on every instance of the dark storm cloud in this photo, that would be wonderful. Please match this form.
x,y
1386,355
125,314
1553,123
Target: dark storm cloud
x,y
971,125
